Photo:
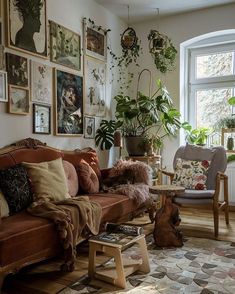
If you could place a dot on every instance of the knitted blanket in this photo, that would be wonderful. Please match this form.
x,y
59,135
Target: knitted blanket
x,y
74,218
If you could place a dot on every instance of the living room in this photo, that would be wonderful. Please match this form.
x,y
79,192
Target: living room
x,y
63,28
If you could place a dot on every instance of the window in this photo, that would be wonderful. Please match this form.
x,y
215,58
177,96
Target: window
x,y
211,84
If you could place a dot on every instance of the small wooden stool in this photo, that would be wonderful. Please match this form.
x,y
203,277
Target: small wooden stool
x,y
123,267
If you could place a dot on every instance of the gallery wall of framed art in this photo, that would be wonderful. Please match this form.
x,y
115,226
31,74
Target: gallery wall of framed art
x,y
39,53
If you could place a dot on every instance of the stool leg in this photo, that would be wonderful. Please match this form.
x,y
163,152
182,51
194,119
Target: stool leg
x,y
92,260
144,267
121,279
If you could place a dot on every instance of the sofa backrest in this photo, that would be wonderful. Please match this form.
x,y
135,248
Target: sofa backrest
x,y
32,150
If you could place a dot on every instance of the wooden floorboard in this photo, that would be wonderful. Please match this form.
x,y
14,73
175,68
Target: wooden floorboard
x,y
45,277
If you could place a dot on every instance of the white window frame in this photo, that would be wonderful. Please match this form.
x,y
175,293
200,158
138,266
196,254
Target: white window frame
x,y
195,84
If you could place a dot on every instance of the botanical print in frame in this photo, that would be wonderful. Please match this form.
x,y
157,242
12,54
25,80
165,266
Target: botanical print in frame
x,y
65,46
18,100
17,68
27,26
41,82
95,89
89,127
3,87
69,104
41,119
95,41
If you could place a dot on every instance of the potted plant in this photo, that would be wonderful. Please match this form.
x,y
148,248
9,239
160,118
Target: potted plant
x,y
146,117
196,136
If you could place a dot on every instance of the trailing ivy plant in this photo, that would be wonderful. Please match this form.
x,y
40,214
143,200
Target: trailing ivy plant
x,y
162,51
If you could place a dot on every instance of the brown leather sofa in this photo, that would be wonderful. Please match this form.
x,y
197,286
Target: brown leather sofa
x,y
25,239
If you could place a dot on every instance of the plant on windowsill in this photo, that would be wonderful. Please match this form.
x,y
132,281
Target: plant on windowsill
x,y
196,136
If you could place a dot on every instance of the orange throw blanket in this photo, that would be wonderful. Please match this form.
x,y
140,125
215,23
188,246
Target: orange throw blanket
x,y
74,218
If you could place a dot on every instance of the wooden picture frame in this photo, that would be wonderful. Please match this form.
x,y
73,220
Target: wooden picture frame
x,y
68,104
18,70
95,87
18,100
3,87
95,41
41,83
2,58
65,46
89,127
41,119
27,26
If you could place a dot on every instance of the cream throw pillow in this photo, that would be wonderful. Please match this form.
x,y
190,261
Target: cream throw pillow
x,y
4,208
48,180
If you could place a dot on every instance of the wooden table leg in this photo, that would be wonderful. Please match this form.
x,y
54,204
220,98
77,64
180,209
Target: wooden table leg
x,y
121,279
144,267
92,260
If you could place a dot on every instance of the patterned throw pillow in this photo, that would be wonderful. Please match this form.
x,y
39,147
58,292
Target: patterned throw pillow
x,y
191,174
15,186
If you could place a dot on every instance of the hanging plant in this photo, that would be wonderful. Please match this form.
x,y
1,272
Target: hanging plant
x,y
162,51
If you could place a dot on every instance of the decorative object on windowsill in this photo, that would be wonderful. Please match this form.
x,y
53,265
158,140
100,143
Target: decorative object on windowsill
x,y
196,136
162,50
230,143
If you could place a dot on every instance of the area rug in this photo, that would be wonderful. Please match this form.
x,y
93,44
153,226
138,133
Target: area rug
x,y
200,266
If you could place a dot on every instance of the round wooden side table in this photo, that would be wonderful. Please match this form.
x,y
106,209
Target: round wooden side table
x,y
163,191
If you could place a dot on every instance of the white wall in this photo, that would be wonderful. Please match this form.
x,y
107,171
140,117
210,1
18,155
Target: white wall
x,y
68,13
180,28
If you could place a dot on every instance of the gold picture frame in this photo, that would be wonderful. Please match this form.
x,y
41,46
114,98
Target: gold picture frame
x,y
18,102
27,32
68,111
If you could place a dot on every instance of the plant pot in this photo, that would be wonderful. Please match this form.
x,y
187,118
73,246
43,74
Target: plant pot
x,y
135,146
230,143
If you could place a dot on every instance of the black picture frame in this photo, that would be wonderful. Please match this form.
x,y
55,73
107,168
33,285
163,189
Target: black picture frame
x,y
41,119
89,127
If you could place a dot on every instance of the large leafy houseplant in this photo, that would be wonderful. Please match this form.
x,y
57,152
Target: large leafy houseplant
x,y
197,136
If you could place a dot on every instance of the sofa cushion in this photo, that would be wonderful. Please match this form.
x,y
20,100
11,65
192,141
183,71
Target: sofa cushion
x,y
23,235
4,208
48,180
87,154
72,178
87,178
15,186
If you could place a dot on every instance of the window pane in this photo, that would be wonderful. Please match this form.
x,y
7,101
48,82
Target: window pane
x,y
214,65
212,105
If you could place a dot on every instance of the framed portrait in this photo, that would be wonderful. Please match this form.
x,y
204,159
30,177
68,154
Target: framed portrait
x,y
95,87
65,46
68,104
41,83
27,26
41,119
95,41
17,68
18,100
89,127
3,87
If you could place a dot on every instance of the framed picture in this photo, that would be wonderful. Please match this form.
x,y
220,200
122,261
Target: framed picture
x,y
27,26
69,104
2,58
89,127
17,68
41,82
3,87
18,100
95,89
65,46
41,119
95,41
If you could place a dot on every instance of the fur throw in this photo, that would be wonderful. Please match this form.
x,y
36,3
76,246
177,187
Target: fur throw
x,y
135,171
130,178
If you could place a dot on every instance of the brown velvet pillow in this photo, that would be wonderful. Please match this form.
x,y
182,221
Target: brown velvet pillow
x,y
88,180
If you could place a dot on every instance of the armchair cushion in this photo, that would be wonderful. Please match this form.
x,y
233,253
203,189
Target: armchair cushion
x,y
191,174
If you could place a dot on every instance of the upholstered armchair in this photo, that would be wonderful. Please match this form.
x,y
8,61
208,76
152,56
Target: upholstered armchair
x,y
209,195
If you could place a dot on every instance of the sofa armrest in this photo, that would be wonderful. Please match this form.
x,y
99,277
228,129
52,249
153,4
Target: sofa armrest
x,y
168,174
